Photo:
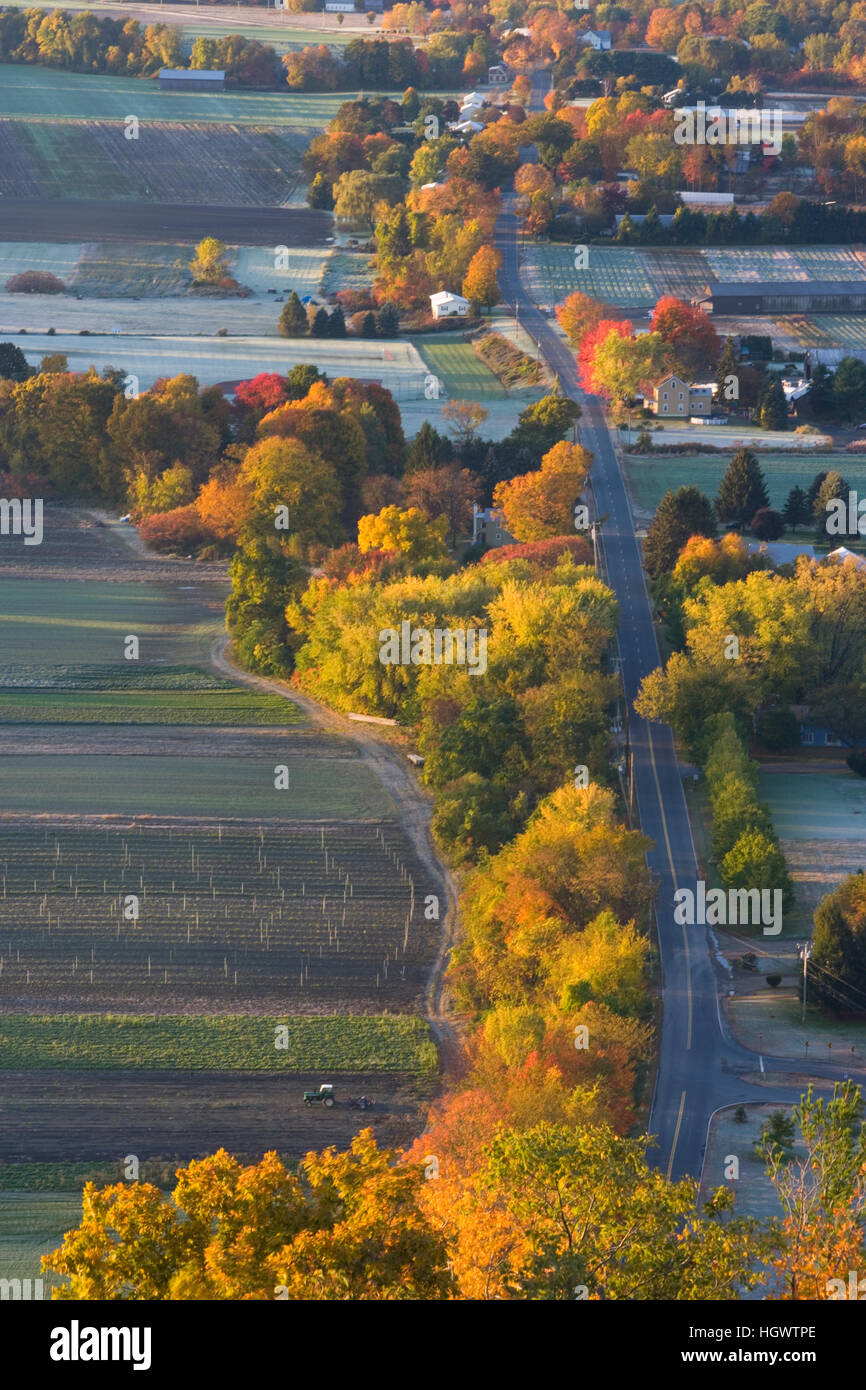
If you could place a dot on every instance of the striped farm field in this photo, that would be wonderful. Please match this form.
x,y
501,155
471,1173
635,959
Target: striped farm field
x,y
186,784
124,1042
47,624
459,368
226,707
28,92
619,276
234,917
759,263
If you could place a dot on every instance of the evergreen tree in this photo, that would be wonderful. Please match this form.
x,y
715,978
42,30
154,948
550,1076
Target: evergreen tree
x,y
337,323
742,491
293,318
319,327
812,494
821,394
13,363
729,366
679,515
387,321
796,511
429,449
849,388
368,327
772,407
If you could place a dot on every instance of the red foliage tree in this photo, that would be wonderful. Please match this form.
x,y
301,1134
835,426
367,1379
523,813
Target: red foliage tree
x,y
695,342
590,342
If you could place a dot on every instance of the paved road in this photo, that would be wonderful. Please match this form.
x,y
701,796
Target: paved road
x,y
700,1067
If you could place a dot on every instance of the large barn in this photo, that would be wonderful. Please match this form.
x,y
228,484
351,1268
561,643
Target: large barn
x,y
192,79
784,297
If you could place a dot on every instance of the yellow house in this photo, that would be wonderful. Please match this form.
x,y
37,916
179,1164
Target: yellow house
x,y
672,395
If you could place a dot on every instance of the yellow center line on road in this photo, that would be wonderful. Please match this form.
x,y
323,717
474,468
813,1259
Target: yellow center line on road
x,y
676,1134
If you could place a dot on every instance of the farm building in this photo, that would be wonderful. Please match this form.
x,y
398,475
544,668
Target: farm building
x,y
488,527
446,305
497,74
596,38
785,297
192,79
672,395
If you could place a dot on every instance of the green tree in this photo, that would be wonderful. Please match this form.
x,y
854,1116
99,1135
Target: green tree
x,y
428,449
293,318
837,969
742,491
679,515
13,363
849,388
388,321
772,407
833,488
755,861
591,1213
729,366
545,422
796,511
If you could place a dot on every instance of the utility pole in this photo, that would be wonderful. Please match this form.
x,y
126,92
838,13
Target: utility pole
x,y
805,953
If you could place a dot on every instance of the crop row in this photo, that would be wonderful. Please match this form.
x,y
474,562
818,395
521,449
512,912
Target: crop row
x,y
121,1042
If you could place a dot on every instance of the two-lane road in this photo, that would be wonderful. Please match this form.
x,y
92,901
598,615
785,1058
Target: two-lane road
x,y
700,1067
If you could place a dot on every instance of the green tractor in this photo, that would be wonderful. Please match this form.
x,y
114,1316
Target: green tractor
x,y
324,1096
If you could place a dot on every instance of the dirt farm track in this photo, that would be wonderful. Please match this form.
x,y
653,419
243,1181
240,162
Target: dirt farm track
x,y
26,219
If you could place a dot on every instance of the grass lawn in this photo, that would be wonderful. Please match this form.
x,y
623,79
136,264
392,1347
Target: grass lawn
x,y
320,788
212,707
460,370
816,805
650,478
755,1194
45,623
769,1023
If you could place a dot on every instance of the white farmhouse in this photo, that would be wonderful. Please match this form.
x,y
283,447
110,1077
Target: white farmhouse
x,y
445,305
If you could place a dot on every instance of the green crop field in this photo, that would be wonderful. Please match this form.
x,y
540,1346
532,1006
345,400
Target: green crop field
x,y
31,1225
331,788
28,92
244,912
459,368
144,1041
46,624
650,478
55,1177
231,706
